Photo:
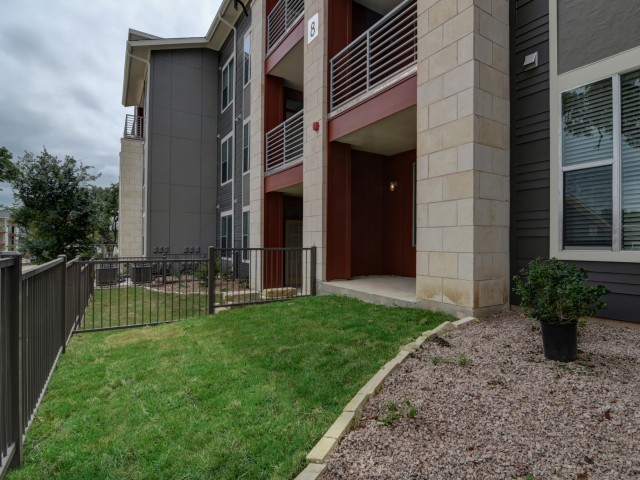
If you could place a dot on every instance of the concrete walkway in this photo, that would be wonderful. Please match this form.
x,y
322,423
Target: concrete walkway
x,y
378,289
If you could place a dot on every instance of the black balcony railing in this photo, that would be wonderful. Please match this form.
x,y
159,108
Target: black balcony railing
x,y
281,19
134,127
387,49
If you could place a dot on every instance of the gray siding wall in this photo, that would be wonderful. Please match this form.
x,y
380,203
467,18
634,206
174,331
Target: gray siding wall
x,y
181,175
530,155
230,196
590,30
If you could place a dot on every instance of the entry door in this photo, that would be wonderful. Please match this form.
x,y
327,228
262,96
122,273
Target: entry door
x,y
293,258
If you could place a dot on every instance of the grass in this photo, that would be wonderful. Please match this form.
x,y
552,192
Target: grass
x,y
244,394
112,307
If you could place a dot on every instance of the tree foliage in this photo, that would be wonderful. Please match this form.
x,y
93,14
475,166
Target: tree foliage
x,y
54,205
105,206
8,170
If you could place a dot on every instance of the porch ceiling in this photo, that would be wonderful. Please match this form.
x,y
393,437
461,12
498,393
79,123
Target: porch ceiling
x,y
290,67
380,6
388,136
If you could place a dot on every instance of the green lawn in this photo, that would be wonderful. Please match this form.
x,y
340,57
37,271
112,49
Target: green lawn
x,y
112,307
244,394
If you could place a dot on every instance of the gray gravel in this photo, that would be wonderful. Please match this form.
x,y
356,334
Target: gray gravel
x,y
489,406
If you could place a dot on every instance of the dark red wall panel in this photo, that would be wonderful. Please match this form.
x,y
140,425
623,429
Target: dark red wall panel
x,y
339,212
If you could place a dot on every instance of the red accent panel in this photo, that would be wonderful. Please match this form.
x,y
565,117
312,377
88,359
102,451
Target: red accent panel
x,y
295,35
339,16
339,212
273,237
286,178
390,101
273,102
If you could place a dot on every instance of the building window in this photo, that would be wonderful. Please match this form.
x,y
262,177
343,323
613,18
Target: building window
x,y
246,132
226,160
227,84
600,165
245,236
226,233
246,59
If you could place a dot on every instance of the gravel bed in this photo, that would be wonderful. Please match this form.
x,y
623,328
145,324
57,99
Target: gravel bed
x,y
487,405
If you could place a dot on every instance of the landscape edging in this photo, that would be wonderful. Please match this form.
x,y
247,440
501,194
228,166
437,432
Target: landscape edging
x,y
353,410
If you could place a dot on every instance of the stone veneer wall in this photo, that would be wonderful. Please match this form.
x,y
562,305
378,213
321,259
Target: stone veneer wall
x,y
463,155
130,201
315,143
256,143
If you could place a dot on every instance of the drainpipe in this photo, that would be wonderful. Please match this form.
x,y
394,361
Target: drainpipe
x,y
145,189
233,129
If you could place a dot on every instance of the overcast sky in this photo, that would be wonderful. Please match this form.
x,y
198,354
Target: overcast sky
x,y
61,71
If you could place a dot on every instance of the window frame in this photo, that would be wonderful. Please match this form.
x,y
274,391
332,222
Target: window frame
x,y
246,57
246,234
229,67
619,64
230,160
228,214
247,139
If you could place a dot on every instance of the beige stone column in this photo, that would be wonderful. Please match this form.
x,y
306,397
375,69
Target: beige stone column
x,y
130,230
463,155
315,143
256,145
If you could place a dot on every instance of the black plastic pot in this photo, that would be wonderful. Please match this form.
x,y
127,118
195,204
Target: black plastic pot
x,y
560,342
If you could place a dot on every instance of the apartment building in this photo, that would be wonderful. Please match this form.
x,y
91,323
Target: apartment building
x,y
9,233
444,143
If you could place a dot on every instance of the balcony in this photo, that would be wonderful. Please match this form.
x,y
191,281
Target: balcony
x,y
373,60
134,127
284,144
281,19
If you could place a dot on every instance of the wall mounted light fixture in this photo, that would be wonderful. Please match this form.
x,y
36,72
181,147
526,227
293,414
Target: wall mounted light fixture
x,y
393,185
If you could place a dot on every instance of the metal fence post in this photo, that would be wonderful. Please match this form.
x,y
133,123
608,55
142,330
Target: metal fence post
x,y
63,301
211,278
14,306
312,272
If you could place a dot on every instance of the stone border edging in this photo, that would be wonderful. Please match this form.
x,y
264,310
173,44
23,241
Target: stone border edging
x,y
353,411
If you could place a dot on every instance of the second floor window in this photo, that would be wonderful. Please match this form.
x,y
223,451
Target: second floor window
x,y
246,59
226,233
226,160
227,84
246,129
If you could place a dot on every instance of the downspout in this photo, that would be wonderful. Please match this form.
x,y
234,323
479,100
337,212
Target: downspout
x,y
145,187
233,131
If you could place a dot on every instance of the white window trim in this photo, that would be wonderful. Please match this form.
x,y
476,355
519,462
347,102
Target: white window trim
x,y
233,95
246,210
245,82
227,213
233,160
247,120
620,63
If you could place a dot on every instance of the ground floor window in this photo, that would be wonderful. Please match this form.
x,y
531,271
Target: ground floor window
x,y
600,164
226,233
245,236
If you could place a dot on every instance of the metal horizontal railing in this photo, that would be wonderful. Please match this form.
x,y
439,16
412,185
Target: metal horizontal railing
x,y
387,49
280,20
134,127
284,143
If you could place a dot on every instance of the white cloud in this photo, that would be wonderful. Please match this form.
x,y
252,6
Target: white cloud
x,y
61,71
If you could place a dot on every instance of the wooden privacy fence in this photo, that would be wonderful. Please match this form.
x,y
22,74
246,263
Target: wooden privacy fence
x,y
39,309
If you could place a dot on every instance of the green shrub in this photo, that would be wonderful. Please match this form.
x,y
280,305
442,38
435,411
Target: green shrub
x,y
556,292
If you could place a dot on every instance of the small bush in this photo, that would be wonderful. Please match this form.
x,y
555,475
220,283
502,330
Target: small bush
x,y
556,292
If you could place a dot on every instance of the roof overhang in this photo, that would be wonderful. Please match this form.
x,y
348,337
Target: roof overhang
x,y
140,45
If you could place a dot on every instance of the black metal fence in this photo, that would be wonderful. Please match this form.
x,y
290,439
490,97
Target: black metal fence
x,y
245,276
39,309
133,292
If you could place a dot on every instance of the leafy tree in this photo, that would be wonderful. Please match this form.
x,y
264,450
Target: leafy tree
x,y
54,205
106,205
8,170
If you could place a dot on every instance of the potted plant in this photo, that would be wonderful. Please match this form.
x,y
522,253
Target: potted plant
x,y
556,293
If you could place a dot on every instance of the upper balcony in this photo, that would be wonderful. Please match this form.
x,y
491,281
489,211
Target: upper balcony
x,y
284,144
134,127
381,56
282,18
